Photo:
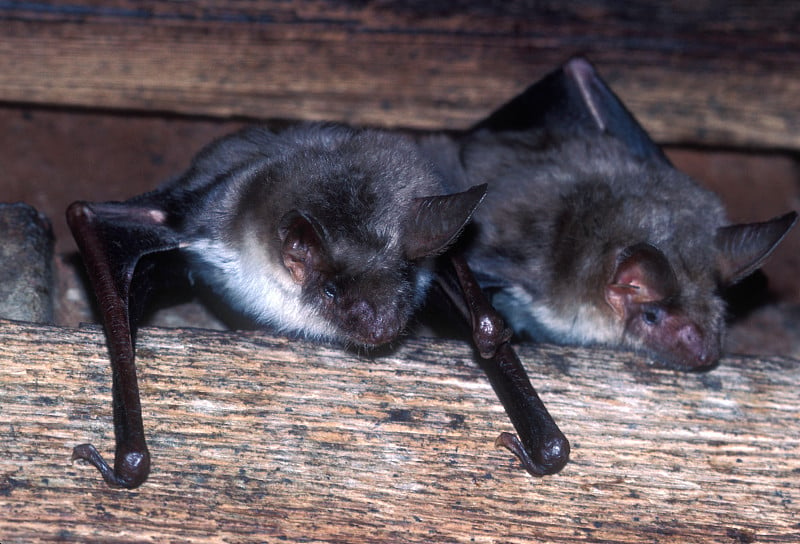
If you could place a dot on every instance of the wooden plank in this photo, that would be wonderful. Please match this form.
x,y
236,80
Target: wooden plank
x,y
261,439
694,72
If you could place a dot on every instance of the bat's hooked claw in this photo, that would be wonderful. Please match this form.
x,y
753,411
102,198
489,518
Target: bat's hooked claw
x,y
131,467
541,447
553,455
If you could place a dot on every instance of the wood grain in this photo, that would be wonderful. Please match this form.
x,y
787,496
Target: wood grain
x,y
699,72
260,439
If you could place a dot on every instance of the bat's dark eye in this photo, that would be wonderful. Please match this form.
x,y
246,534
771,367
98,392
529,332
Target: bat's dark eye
x,y
652,316
329,289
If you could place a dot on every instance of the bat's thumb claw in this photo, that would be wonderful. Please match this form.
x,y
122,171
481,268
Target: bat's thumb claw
x,y
550,458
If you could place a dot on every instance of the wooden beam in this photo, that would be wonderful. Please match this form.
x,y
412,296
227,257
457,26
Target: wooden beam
x,y
694,72
261,439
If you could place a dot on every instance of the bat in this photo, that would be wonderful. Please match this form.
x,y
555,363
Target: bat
x,y
322,231
588,235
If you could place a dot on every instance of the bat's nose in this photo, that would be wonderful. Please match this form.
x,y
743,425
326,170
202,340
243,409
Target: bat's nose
x,y
702,352
374,326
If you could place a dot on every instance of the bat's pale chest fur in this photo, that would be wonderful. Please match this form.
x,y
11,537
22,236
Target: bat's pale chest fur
x,y
584,324
270,296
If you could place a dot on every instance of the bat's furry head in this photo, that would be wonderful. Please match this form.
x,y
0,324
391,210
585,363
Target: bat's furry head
x,y
605,247
328,231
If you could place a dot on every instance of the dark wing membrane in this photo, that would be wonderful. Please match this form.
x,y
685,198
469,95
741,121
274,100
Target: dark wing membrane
x,y
573,99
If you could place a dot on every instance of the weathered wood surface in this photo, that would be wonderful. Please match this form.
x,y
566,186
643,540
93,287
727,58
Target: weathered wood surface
x,y
697,71
259,439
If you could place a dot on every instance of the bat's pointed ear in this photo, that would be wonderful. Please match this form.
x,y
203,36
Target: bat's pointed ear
x,y
434,222
302,245
642,274
743,248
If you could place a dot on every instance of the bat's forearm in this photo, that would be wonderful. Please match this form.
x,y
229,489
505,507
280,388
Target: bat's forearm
x,y
542,448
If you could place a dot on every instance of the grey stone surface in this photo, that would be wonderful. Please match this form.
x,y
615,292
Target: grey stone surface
x,y
26,264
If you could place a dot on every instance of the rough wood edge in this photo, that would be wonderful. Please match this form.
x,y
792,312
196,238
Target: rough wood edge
x,y
258,438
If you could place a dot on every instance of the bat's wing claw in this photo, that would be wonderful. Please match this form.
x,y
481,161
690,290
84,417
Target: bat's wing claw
x,y
131,471
554,454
